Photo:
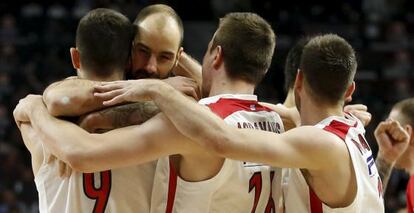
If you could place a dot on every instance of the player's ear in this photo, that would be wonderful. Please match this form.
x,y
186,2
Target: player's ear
x,y
180,51
218,57
409,130
75,56
349,92
298,81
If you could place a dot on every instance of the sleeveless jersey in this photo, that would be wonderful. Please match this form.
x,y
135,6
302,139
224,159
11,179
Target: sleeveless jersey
x,y
238,186
120,190
299,197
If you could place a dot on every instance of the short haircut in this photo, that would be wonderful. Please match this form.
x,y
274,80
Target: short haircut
x,y
328,64
248,43
161,9
103,38
406,108
293,61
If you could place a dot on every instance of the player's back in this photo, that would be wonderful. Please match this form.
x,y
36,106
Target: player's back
x,y
299,197
238,186
120,190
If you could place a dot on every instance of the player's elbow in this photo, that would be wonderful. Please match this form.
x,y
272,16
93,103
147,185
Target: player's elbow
x,y
54,104
60,105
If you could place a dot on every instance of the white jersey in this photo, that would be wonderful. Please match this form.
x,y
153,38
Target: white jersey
x,y
300,198
120,190
238,186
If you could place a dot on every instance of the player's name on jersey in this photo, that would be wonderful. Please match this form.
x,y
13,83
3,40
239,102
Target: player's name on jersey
x,y
263,125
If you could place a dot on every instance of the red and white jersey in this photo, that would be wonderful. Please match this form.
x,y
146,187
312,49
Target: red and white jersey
x,y
300,198
120,190
238,186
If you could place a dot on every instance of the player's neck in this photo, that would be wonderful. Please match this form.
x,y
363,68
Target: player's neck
x,y
312,112
223,85
86,74
290,99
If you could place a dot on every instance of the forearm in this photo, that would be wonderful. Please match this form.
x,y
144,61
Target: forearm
x,y
191,119
62,138
71,97
129,114
86,152
33,144
189,67
384,170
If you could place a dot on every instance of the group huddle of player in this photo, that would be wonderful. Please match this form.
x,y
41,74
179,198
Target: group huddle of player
x,y
143,127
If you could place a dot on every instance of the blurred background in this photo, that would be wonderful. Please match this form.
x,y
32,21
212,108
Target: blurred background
x,y
35,38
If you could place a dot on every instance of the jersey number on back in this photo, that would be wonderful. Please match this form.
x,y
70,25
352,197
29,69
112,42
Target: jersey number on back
x,y
256,184
101,193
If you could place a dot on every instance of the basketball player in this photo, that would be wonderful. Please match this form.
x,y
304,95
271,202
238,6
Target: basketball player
x,y
154,54
107,191
333,169
395,151
288,111
192,180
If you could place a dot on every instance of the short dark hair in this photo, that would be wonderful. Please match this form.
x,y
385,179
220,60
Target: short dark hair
x,y
248,43
406,108
103,38
293,61
162,9
328,64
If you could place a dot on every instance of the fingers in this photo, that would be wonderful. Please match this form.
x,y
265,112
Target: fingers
x,y
358,107
381,128
393,129
363,116
115,100
108,94
397,131
108,86
191,92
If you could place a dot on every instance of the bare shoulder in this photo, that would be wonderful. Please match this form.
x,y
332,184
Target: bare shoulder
x,y
325,144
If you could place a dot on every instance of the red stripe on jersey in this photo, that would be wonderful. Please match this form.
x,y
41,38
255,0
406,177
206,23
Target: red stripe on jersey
x,y
227,106
172,187
315,202
338,128
409,194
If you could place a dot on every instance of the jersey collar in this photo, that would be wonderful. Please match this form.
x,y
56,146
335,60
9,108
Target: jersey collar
x,y
214,99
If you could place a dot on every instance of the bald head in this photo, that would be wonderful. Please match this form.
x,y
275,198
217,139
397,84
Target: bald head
x,y
163,14
157,44
162,29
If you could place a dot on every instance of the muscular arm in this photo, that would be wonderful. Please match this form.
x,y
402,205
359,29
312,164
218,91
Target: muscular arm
x,y
289,116
392,142
189,67
33,144
296,148
119,116
71,97
384,170
123,147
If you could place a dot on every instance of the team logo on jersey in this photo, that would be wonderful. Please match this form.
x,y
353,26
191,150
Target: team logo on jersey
x,y
253,107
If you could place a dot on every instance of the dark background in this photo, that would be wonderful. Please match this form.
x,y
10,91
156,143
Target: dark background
x,y
35,38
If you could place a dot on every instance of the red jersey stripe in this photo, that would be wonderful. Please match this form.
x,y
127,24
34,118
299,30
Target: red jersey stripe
x,y
172,188
315,202
227,106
